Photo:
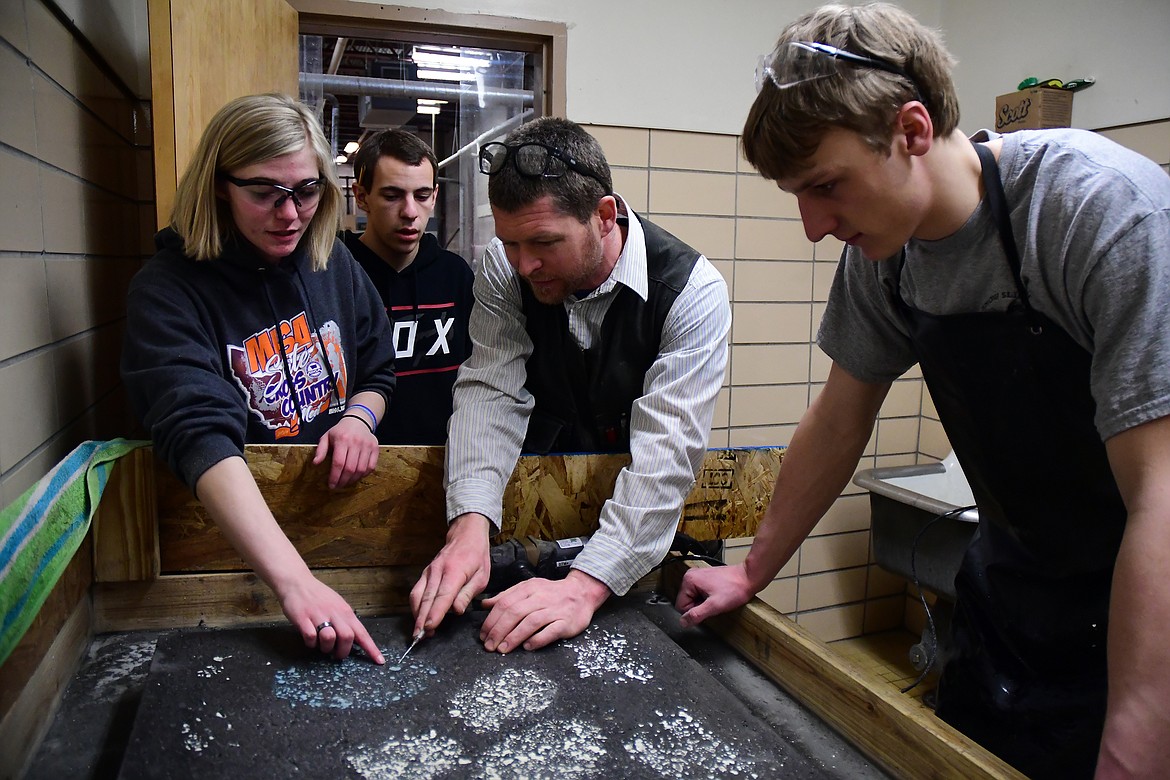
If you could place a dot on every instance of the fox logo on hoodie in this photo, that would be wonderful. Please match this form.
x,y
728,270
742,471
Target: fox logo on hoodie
x,y
310,386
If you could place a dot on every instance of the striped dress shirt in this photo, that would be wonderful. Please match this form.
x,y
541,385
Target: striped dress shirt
x,y
669,423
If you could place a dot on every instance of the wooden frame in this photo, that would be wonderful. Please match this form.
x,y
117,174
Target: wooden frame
x,y
145,512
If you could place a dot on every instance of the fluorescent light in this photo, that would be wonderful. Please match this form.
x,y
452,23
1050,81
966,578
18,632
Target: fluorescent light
x,y
352,147
428,109
429,102
445,75
340,159
454,60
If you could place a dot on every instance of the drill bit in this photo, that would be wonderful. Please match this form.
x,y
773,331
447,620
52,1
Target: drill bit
x,y
414,641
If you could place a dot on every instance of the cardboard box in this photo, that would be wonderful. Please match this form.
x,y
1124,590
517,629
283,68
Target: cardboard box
x,y
1036,108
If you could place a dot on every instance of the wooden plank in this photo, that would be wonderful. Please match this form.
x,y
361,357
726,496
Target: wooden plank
x,y
222,49
28,719
237,599
397,515
162,109
71,590
887,726
125,524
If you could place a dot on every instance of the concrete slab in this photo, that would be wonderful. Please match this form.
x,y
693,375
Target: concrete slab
x,y
623,700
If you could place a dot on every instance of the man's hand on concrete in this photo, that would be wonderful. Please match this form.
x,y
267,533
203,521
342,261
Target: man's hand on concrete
x,y
538,612
458,573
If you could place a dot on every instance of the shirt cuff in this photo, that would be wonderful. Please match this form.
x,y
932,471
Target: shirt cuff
x,y
475,495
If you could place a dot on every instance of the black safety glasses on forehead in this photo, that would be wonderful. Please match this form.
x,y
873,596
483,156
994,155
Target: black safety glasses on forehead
x,y
533,159
272,195
798,62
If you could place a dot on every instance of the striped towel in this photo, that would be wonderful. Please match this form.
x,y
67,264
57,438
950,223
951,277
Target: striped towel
x,y
41,530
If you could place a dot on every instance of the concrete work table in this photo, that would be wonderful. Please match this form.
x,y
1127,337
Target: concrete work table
x,y
635,696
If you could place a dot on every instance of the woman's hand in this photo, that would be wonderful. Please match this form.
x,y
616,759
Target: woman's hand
x,y
309,603
355,451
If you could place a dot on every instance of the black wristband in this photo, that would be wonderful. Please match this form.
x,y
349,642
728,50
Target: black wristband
x,y
360,419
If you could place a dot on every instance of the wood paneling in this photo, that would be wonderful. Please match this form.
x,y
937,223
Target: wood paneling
x,y
203,54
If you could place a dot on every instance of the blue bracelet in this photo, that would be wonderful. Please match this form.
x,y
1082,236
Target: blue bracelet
x,y
367,410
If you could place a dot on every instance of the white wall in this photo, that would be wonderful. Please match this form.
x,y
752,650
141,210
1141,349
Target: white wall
x,y
688,64
672,64
1124,45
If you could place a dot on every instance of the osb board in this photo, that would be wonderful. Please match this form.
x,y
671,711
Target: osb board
x,y
557,496
889,727
396,516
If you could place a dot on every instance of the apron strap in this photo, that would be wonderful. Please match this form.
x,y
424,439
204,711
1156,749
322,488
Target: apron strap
x,y
997,201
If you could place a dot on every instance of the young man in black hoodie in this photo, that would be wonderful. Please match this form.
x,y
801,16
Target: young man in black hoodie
x,y
426,289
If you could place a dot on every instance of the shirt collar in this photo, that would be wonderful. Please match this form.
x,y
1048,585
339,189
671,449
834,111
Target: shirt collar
x,y
630,269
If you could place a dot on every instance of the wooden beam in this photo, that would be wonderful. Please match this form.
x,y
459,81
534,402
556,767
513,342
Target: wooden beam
x,y
397,515
125,524
239,599
25,723
887,726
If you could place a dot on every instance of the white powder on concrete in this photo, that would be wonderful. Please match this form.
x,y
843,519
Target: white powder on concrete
x,y
679,745
213,669
355,683
513,693
608,655
199,734
551,750
112,673
410,757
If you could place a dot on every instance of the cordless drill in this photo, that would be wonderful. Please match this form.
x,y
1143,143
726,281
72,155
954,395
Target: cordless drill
x,y
517,560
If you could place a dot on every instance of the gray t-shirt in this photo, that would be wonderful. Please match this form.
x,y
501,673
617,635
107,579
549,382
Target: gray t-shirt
x,y
1092,223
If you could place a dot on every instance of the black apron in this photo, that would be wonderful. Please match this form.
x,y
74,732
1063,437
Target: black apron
x,y
1027,680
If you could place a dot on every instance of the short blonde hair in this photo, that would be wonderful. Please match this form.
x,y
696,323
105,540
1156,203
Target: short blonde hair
x,y
246,131
784,127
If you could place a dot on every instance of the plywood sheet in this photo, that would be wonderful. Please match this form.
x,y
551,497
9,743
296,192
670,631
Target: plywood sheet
x,y
397,515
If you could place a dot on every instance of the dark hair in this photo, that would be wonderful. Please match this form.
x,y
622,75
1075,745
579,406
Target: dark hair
x,y
784,127
573,193
399,144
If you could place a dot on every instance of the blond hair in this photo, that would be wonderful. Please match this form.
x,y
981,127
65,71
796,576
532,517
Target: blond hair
x,y
246,131
784,127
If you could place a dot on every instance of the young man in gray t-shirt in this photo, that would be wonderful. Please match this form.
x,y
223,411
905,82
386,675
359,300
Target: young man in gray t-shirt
x,y
1028,276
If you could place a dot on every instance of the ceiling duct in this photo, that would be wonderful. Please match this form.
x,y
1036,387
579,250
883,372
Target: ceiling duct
x,y
399,88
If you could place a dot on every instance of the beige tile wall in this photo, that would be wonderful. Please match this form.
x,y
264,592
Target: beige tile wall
x,y
699,187
75,166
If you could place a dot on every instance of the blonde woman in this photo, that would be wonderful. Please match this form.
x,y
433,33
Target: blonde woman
x,y
253,324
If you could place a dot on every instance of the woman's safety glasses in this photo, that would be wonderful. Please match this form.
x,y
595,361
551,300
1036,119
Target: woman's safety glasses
x,y
799,62
533,159
270,195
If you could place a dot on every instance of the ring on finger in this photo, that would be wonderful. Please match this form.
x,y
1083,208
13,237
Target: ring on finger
x,y
324,625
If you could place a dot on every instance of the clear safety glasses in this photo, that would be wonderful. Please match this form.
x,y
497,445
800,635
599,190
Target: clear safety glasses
x,y
533,159
799,62
271,195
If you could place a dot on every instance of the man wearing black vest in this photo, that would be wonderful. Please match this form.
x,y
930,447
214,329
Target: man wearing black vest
x,y
594,331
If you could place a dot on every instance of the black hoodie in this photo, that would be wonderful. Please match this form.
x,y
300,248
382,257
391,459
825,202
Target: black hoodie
x,y
203,367
428,305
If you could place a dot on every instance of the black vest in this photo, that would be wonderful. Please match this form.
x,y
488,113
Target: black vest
x,y
584,397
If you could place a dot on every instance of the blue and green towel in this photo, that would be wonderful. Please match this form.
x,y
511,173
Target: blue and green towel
x,y
41,530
